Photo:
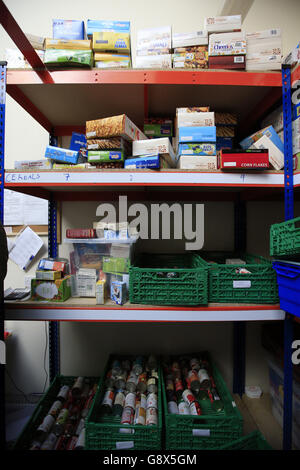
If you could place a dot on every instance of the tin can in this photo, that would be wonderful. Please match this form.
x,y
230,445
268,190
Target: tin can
x,y
116,368
55,408
152,385
137,366
173,408
169,384
63,393
130,400
175,366
61,443
35,445
127,415
86,407
194,381
195,363
151,417
107,402
72,443
142,382
152,400
204,378
61,421
183,408
132,382
126,365
80,444
178,387
109,380
188,397
45,427
195,408
78,386
140,414
120,381
49,442
79,428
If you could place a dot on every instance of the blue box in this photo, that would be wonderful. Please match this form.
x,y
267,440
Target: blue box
x,y
68,29
62,155
295,111
224,143
94,26
78,141
199,148
288,279
269,132
197,134
118,292
146,161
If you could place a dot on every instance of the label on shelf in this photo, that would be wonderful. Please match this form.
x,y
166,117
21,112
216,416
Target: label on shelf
x,y
241,284
125,445
201,432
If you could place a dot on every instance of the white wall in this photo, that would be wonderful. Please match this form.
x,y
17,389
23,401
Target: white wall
x,y
85,346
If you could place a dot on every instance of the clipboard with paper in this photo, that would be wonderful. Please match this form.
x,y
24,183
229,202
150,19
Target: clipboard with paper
x,y
25,247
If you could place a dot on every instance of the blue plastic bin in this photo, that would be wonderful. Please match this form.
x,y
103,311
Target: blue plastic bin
x,y
288,279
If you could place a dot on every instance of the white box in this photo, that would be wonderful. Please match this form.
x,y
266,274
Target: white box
x,y
265,47
37,42
86,282
33,164
265,34
227,44
263,62
163,61
161,145
215,24
197,38
195,119
197,109
154,38
293,57
276,157
192,162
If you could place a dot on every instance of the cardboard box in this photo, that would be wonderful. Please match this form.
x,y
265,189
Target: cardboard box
x,y
66,166
163,61
224,143
96,156
161,146
100,292
296,162
227,62
51,265
86,282
115,265
267,131
68,29
110,41
227,44
68,58
257,61
78,141
62,155
54,291
48,275
95,26
184,50
197,134
293,57
195,109
112,143
122,250
296,143
37,42
109,61
254,159
33,165
225,131
195,119
78,44
265,47
216,24
194,162
197,149
118,292
225,119
115,126
146,161
276,156
197,60
268,34
158,127
154,39
196,38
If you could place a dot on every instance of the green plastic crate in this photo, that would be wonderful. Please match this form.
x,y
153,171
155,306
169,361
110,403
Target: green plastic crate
x,y
27,435
225,286
173,279
285,238
103,433
208,431
254,441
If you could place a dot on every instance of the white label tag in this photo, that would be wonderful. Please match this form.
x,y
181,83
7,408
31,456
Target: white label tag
x,y
234,404
187,138
201,432
125,445
241,284
229,163
91,134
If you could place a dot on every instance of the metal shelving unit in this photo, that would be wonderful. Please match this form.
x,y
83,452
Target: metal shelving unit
x,y
39,92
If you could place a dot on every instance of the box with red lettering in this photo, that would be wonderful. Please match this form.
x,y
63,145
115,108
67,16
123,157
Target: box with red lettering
x,y
250,159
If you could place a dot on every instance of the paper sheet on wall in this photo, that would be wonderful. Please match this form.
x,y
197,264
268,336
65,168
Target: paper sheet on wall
x,y
26,246
22,209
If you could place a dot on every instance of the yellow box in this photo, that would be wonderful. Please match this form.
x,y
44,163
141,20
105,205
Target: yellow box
x,y
78,44
111,42
106,60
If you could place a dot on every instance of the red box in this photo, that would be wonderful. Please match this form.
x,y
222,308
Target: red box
x,y
227,62
81,233
250,159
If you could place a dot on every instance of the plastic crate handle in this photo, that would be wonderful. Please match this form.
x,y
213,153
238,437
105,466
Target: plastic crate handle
x,y
289,274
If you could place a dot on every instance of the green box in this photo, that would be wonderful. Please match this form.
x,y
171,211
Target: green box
x,y
98,156
211,429
103,433
226,284
27,434
285,238
115,265
69,58
53,291
159,130
169,279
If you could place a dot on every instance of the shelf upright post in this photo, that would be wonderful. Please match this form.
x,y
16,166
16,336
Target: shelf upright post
x,y
289,214
2,316
54,337
239,327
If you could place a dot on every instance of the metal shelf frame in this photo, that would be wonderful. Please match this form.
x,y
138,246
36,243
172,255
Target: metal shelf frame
x,y
40,75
